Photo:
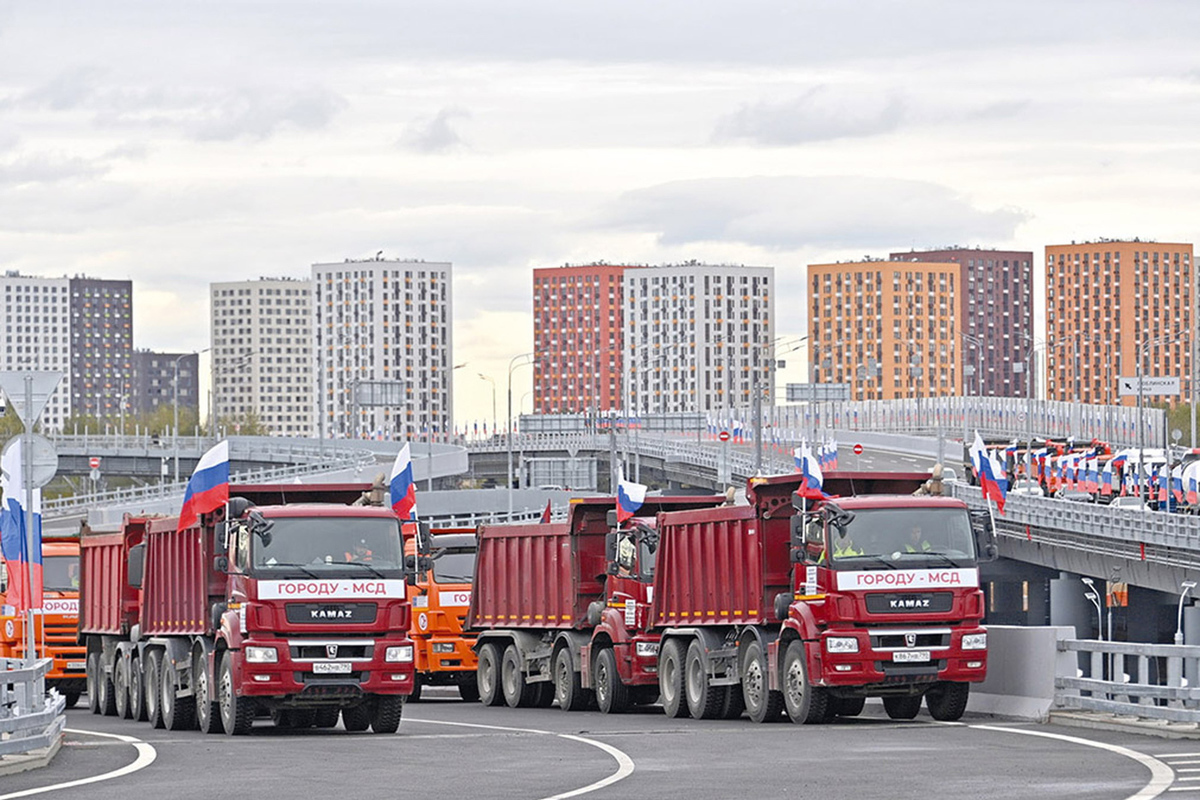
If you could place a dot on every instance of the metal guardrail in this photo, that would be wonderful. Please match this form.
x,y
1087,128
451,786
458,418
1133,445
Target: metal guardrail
x,y
1131,679
29,718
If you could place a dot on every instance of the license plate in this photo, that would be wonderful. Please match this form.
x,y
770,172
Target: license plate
x,y
334,667
910,656
80,665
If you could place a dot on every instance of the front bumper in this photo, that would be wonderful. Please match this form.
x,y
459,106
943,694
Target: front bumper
x,y
886,660
324,668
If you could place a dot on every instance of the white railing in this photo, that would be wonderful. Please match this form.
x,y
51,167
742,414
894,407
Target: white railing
x,y
29,718
1131,679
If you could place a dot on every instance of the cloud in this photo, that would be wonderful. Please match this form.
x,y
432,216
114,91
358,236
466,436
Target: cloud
x,y
793,212
819,114
257,114
71,89
42,168
434,135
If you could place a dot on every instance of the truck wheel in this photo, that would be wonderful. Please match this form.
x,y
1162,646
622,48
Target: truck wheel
x,y
208,712
386,716
415,695
121,688
137,691
543,694
670,679
762,703
612,695
947,700
92,680
152,677
487,675
468,687
357,718
905,707
237,713
734,705
326,717
704,701
804,702
517,692
848,706
71,699
179,713
568,684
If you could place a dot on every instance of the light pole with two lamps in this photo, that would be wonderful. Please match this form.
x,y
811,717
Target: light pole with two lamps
x,y
492,381
1186,586
175,403
1094,596
512,365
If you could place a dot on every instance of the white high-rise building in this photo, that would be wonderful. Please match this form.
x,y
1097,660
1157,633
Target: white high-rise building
x,y
698,337
383,345
262,334
37,335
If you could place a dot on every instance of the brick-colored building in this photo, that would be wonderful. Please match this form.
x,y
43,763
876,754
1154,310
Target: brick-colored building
x,y
996,314
1109,301
889,329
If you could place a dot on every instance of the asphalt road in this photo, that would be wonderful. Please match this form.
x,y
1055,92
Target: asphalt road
x,y
451,749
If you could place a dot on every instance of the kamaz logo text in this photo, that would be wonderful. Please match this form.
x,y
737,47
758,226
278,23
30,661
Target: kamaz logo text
x,y
909,602
330,613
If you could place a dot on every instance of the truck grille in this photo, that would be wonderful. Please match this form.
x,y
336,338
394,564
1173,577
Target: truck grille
x,y
319,651
60,633
330,613
895,640
909,602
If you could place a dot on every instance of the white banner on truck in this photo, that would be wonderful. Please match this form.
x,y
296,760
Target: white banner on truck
x,y
60,605
359,588
462,598
909,579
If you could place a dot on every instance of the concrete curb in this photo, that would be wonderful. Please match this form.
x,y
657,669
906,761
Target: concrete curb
x,y
34,759
1095,720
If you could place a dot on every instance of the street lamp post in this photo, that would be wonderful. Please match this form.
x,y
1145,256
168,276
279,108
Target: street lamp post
x,y
1143,348
512,365
175,404
1186,586
492,381
1094,596
121,408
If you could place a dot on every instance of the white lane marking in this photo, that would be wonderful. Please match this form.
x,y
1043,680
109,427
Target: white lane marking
x,y
146,755
625,764
1161,775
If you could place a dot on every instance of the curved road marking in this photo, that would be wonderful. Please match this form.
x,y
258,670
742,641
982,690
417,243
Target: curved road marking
x,y
146,756
624,762
1161,776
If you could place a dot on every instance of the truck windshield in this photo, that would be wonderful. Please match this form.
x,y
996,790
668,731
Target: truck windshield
x,y
327,546
453,564
905,537
60,573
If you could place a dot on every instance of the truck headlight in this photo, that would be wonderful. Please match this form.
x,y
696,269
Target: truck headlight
x,y
443,647
647,649
974,641
402,653
841,644
261,655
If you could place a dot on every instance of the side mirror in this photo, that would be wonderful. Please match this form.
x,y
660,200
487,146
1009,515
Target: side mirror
x,y
137,565
410,570
221,564
424,539
610,548
985,536
610,519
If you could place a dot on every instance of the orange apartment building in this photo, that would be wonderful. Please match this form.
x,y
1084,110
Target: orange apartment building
x,y
1107,302
889,329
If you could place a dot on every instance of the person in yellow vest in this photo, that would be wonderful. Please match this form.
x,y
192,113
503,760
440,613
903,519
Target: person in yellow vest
x,y
917,543
844,546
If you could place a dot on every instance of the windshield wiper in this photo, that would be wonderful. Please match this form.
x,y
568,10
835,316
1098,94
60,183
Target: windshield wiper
x,y
368,567
454,578
875,559
302,567
942,556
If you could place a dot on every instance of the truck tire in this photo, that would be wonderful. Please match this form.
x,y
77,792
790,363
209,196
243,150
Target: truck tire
x,y
734,705
543,694
848,706
237,714
670,679
71,699
208,712
568,684
902,707
326,717
804,702
612,695
385,718
947,700
137,690
178,713
152,678
121,688
487,675
92,682
415,695
517,692
704,700
106,701
468,687
762,703
357,718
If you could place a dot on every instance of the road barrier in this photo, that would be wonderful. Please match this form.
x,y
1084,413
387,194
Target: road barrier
x,y
1131,679
29,718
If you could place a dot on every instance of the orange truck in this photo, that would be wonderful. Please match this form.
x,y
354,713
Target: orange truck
x,y
441,595
57,624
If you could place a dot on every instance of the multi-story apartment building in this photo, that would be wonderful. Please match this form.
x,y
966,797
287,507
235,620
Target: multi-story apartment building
x,y
262,347
101,371
578,334
1111,304
887,329
659,339
995,301
154,383
37,335
384,348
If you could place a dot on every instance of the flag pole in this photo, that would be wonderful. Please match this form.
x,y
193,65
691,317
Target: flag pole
x,y
27,480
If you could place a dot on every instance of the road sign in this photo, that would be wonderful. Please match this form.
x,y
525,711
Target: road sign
x,y
858,449
1151,385
723,436
45,457
40,386
94,462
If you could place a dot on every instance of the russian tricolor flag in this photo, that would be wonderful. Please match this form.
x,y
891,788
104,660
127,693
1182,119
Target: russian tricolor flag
x,y
402,487
989,472
208,488
814,479
13,540
630,497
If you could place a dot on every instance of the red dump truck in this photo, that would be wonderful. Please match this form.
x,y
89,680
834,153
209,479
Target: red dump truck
x,y
58,622
813,606
289,601
441,592
562,608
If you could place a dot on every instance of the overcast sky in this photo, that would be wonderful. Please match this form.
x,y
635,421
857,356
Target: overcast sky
x,y
181,143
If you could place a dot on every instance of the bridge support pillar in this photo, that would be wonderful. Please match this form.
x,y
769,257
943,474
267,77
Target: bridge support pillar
x,y
1005,602
1069,607
1191,635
